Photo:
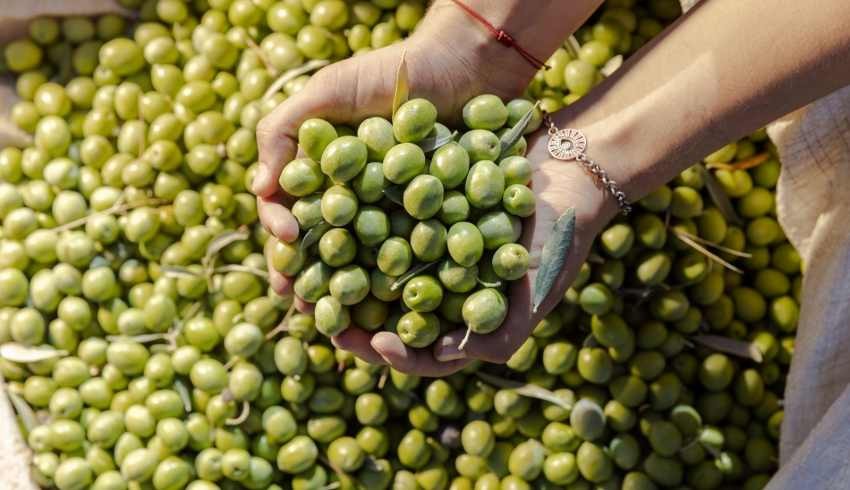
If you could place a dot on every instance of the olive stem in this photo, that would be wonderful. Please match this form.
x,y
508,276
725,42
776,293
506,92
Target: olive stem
x,y
283,325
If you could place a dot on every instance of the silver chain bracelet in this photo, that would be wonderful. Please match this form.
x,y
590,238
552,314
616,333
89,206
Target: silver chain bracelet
x,y
570,145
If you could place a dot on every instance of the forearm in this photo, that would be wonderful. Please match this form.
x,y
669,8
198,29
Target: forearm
x,y
722,71
539,26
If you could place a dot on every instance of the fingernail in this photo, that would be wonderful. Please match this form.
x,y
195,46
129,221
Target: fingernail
x,y
259,181
389,346
447,350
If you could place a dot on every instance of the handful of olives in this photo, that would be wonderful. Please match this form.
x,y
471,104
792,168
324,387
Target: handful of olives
x,y
407,225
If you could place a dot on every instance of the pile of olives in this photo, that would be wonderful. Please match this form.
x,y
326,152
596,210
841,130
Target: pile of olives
x,y
405,233
143,349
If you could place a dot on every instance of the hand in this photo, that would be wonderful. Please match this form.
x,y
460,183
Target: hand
x,y
364,86
558,185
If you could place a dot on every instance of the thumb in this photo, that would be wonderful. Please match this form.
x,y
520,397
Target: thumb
x,y
344,92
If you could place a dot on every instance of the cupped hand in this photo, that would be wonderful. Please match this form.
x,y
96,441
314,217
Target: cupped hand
x,y
363,86
558,185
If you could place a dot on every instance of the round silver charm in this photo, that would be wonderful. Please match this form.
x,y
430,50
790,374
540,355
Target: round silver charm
x,y
567,144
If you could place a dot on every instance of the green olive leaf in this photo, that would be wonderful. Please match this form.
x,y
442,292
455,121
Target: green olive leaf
x,y
510,138
719,197
181,390
553,257
24,354
413,272
525,389
433,143
572,46
313,235
395,193
402,84
735,347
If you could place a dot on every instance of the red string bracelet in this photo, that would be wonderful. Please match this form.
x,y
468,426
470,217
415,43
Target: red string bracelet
x,y
502,36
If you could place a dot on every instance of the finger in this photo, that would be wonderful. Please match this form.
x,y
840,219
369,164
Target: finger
x,y
304,306
277,219
277,132
357,341
497,346
279,283
412,361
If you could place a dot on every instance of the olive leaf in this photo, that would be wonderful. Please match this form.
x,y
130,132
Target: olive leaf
x,y
181,390
141,339
719,197
431,144
690,240
23,409
611,66
243,415
486,284
572,46
218,243
15,352
553,257
735,347
510,138
313,235
292,74
176,272
525,389
402,84
395,193
242,268
414,271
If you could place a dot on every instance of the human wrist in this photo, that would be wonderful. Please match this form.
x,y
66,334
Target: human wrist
x,y
450,31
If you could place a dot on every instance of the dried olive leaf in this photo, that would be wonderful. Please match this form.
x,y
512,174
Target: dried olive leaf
x,y
176,272
242,268
15,352
486,284
528,390
510,138
218,243
719,197
395,193
572,46
142,339
402,84
611,66
688,239
431,144
292,74
735,347
419,269
553,257
24,411
313,235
